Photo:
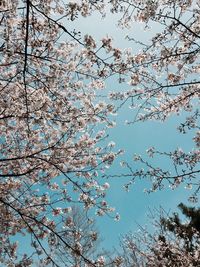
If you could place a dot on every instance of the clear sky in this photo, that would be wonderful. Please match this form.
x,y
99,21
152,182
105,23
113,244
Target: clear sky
x,y
134,206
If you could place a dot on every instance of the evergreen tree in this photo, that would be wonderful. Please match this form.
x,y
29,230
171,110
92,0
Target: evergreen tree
x,y
186,231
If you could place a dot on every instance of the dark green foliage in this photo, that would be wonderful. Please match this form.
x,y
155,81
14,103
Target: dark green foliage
x,y
186,231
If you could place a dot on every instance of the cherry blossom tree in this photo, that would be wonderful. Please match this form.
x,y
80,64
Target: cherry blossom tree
x,y
164,81
53,125
53,120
